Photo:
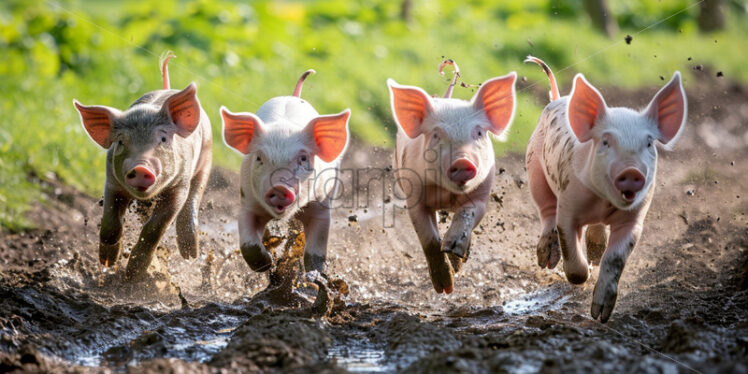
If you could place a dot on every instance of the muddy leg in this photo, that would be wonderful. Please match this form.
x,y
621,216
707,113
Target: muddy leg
x,y
251,229
548,249
424,222
110,246
623,239
187,220
572,250
597,239
316,220
164,213
457,240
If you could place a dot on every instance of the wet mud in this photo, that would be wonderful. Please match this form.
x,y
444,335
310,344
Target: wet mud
x,y
682,305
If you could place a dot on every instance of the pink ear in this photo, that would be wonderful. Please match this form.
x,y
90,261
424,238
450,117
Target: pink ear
x,y
586,106
239,129
497,99
410,106
330,134
184,110
97,120
668,108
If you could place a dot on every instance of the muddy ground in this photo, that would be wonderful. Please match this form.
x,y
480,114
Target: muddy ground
x,y
682,307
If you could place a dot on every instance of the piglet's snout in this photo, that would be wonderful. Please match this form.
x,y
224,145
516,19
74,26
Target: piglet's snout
x,y
461,171
141,177
280,197
629,182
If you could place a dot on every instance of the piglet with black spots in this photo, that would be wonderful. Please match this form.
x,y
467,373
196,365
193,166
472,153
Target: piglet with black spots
x,y
591,167
158,150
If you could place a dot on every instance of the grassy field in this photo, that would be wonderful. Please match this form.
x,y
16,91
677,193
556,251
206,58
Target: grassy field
x,y
240,55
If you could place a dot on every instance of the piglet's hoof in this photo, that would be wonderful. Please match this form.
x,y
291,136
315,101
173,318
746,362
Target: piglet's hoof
x,y
257,257
442,276
548,249
109,253
457,243
136,270
457,261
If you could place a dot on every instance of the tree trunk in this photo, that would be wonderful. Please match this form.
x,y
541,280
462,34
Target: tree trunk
x,y
711,17
601,17
406,10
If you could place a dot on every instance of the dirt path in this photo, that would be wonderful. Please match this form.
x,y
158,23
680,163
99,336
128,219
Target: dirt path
x,y
683,299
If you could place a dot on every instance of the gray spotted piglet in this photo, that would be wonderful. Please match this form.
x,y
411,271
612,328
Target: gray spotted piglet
x,y
290,168
444,160
158,150
592,166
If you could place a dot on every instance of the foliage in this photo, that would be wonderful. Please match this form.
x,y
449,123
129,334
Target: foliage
x,y
104,52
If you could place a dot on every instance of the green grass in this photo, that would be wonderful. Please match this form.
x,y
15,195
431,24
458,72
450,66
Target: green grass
x,y
240,56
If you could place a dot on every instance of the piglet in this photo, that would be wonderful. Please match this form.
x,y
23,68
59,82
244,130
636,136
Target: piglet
x,y
290,168
592,166
444,160
158,150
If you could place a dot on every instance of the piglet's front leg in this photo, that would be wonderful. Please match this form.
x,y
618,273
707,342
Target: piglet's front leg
x,y
456,243
251,228
166,209
471,207
316,220
187,220
623,238
424,222
110,235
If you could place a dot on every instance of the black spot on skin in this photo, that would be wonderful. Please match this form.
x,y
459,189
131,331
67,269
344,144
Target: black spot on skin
x,y
615,262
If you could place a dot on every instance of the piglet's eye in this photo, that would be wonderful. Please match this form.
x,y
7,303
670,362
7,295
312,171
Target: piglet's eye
x,y
120,143
163,139
605,143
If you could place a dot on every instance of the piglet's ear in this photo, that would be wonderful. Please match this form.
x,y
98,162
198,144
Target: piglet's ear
x,y
184,110
410,105
496,98
586,107
97,121
668,109
239,129
330,134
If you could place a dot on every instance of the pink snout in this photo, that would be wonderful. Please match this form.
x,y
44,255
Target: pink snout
x,y
461,171
280,197
140,177
629,182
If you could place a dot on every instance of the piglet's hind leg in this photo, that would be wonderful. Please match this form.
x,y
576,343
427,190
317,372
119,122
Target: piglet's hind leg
x,y
548,249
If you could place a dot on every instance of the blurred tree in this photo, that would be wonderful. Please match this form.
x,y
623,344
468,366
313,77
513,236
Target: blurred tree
x,y
600,15
711,17
406,10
